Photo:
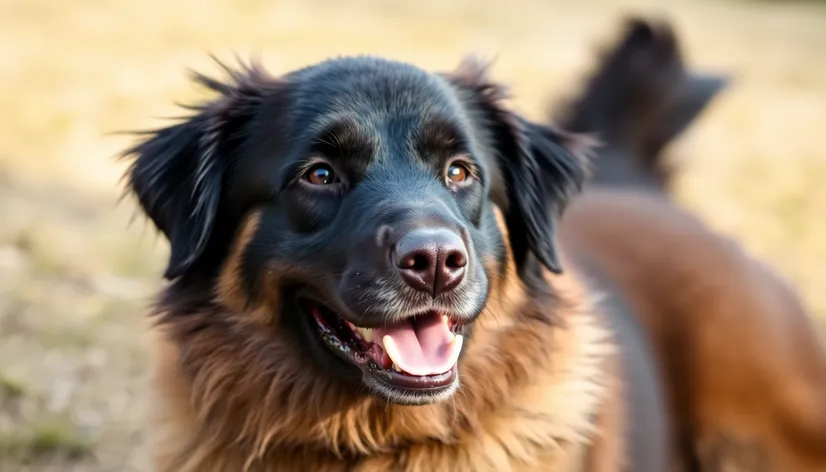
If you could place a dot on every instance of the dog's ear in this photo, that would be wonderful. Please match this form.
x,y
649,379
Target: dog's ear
x,y
177,172
542,167
547,169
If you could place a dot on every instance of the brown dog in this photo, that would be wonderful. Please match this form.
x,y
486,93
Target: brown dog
x,y
363,276
743,362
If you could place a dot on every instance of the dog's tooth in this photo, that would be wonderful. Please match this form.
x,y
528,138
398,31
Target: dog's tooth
x,y
390,348
396,368
366,334
445,320
456,343
455,348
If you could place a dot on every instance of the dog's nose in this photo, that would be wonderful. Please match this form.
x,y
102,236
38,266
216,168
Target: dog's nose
x,y
431,260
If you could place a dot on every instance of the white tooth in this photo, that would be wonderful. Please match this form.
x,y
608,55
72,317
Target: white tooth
x,y
390,348
455,349
396,368
366,334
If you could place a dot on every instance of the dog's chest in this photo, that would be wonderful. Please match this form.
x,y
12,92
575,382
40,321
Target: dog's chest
x,y
481,457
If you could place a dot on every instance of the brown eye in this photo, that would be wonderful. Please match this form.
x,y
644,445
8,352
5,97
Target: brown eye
x,y
321,174
457,173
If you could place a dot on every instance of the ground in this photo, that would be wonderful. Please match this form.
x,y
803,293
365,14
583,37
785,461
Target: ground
x,y
77,271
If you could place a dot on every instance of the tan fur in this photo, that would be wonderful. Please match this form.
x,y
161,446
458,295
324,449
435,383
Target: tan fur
x,y
744,363
234,395
229,290
608,454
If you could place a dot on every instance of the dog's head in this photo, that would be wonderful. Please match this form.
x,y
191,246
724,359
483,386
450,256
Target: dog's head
x,y
347,211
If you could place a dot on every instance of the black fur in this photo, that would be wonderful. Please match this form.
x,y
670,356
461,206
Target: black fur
x,y
388,130
542,167
179,173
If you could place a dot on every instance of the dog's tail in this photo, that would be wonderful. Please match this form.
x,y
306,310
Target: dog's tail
x,y
639,98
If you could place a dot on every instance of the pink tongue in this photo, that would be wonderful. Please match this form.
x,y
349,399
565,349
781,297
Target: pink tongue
x,y
424,346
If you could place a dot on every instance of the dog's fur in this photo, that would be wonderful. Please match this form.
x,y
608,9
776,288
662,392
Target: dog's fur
x,y
550,378
742,360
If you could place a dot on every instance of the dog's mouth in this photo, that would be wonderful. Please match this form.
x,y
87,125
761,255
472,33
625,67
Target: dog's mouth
x,y
415,357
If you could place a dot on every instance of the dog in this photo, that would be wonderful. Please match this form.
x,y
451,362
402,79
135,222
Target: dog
x,y
742,361
364,275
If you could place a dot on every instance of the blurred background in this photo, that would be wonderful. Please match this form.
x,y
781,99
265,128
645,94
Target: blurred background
x,y
76,276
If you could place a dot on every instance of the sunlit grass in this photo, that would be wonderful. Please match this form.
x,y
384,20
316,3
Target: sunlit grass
x,y
44,442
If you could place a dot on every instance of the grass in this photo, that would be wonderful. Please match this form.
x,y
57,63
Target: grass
x,y
76,275
11,388
45,442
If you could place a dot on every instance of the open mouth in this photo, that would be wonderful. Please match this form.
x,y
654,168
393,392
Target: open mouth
x,y
415,355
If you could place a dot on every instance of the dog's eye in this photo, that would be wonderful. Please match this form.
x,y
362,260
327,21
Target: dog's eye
x,y
321,174
457,173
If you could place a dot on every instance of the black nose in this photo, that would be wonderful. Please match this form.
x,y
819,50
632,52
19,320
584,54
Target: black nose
x,y
431,260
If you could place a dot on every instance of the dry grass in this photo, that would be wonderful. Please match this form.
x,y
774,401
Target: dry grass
x,y
74,276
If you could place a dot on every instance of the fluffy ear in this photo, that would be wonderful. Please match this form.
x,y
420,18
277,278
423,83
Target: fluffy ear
x,y
542,167
177,172
550,168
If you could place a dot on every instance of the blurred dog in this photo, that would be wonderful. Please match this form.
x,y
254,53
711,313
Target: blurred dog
x,y
742,360
364,276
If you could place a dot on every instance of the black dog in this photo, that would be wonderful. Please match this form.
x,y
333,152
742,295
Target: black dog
x,y
336,237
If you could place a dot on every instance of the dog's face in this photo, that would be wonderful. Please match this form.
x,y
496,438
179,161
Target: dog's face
x,y
358,197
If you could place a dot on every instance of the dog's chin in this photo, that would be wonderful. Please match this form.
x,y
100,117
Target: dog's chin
x,y
410,362
402,396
